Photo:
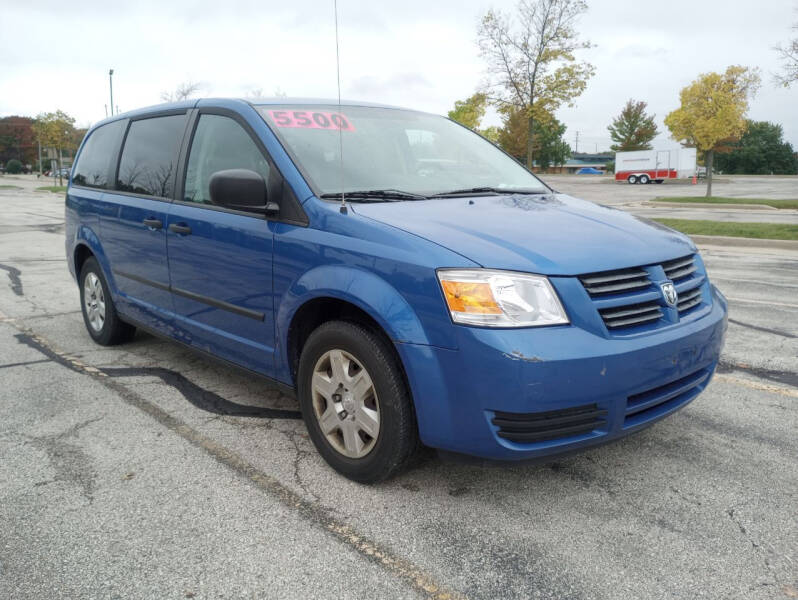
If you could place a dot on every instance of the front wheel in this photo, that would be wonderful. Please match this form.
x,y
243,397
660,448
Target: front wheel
x,y
99,313
355,402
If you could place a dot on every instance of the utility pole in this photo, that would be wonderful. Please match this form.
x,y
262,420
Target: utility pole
x,y
576,148
41,168
111,87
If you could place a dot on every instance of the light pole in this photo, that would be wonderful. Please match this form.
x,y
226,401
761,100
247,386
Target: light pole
x,y
111,87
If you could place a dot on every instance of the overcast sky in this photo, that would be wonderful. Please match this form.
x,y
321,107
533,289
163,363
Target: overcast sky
x,y
415,53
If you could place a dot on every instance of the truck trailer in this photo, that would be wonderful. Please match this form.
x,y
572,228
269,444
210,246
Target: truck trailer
x,y
645,166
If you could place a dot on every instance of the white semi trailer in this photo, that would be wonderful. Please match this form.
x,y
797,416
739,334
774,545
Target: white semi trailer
x,y
645,166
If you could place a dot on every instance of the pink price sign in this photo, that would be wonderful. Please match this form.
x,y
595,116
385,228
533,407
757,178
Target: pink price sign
x,y
306,119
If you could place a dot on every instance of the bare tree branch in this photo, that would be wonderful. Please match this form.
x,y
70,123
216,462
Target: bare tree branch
x,y
183,91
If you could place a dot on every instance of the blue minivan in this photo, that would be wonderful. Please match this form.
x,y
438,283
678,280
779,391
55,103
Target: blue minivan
x,y
410,282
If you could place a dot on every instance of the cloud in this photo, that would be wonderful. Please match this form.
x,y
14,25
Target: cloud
x,y
416,53
368,86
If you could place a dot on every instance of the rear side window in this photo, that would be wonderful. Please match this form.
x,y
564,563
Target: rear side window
x,y
149,158
219,144
94,164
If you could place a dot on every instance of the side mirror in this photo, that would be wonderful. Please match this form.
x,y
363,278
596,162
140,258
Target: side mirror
x,y
241,189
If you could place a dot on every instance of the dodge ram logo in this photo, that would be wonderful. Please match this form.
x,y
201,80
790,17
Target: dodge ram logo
x,y
669,293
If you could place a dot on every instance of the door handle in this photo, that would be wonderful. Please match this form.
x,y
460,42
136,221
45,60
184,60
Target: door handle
x,y
153,223
179,228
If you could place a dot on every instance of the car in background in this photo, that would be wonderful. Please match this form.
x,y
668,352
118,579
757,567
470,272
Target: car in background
x,y
589,171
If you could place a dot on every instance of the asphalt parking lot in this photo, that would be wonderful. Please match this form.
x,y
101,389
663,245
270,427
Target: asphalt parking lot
x,y
637,198
146,471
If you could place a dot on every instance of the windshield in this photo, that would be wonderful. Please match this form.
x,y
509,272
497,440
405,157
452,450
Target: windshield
x,y
392,149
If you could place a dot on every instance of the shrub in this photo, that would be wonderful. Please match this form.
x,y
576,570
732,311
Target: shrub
x,y
13,166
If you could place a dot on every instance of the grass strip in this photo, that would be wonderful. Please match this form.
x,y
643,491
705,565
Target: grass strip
x,y
763,231
723,200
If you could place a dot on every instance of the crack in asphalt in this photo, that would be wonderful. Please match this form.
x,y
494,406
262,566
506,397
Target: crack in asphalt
x,y
763,329
14,275
198,396
24,363
312,511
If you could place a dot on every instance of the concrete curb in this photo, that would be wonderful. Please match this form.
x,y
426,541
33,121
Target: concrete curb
x,y
711,205
738,242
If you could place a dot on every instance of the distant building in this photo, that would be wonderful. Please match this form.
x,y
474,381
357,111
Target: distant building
x,y
580,160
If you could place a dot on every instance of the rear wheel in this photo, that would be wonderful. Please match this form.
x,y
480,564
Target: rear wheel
x,y
632,179
644,179
99,314
355,402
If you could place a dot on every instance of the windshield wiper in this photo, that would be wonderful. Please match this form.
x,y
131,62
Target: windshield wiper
x,y
376,195
487,190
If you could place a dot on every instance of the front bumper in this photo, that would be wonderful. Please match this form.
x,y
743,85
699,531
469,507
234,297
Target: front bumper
x,y
633,382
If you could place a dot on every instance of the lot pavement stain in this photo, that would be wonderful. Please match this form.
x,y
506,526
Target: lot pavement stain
x,y
200,397
784,377
14,275
70,463
44,228
312,511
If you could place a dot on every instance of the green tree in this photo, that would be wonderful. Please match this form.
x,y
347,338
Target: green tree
x,y
760,151
56,130
531,62
13,166
633,129
492,133
550,147
469,112
712,112
514,134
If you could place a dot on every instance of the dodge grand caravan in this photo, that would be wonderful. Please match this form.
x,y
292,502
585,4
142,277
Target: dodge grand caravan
x,y
410,282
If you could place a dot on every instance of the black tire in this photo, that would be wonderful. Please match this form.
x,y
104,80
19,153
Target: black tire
x,y
632,179
644,179
397,442
113,330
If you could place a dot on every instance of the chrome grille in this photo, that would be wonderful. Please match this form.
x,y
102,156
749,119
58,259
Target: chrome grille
x,y
689,299
679,268
615,282
631,314
627,298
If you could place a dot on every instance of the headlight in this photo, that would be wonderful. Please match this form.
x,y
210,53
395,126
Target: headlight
x,y
500,298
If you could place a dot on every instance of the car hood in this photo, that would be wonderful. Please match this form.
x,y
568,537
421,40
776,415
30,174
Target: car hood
x,y
550,234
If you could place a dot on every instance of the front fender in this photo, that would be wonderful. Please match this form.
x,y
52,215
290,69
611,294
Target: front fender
x,y
364,289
